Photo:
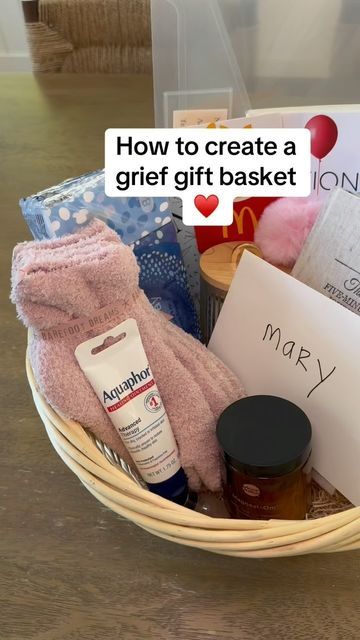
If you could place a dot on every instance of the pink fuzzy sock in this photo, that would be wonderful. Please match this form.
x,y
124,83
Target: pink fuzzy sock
x,y
54,282
96,231
284,227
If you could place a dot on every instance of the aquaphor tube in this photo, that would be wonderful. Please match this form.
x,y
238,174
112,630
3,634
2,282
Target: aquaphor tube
x,y
116,366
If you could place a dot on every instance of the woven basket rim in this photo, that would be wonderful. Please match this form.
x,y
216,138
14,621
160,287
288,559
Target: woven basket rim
x,y
240,538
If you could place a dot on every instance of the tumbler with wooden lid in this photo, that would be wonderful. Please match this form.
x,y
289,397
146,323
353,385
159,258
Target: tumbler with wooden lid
x,y
217,268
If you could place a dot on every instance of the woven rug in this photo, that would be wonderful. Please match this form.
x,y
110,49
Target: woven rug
x,y
91,36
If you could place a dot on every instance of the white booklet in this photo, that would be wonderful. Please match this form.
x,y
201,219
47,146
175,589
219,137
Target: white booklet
x,y
330,259
283,338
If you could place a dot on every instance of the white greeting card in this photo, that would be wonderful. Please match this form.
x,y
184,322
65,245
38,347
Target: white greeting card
x,y
334,142
283,338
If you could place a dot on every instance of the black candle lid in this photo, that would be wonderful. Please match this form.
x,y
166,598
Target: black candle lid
x,y
264,436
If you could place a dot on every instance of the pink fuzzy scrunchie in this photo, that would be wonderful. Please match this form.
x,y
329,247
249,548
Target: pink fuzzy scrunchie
x,y
284,227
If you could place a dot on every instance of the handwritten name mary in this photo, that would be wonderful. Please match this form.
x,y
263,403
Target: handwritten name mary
x,y
299,356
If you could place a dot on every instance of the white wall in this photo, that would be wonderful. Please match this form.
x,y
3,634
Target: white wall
x,y
14,50
296,38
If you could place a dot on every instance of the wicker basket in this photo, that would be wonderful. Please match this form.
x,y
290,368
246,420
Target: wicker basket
x,y
116,489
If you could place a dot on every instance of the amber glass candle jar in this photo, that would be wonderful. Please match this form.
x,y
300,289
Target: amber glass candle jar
x,y
266,442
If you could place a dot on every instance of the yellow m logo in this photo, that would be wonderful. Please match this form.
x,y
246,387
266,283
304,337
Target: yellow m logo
x,y
239,219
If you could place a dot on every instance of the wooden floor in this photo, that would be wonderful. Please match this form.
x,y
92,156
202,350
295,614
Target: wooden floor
x,y
69,568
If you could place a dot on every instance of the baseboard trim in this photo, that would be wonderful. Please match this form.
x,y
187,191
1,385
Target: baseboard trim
x,y
15,63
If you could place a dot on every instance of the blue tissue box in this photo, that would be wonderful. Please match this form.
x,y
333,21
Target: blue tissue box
x,y
146,224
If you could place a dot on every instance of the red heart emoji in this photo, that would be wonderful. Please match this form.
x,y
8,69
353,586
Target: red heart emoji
x,y
206,206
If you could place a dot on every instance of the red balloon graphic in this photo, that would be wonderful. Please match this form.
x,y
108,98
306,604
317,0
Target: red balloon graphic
x,y
324,134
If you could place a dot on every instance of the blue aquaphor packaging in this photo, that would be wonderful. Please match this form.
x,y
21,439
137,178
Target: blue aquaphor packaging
x,y
146,224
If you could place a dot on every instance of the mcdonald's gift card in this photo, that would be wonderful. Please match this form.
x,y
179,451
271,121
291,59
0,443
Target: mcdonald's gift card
x,y
247,213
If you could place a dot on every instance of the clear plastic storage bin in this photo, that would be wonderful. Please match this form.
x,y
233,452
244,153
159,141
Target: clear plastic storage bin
x,y
213,53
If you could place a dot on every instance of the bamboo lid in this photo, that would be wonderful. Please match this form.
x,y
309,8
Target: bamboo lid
x,y
218,264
